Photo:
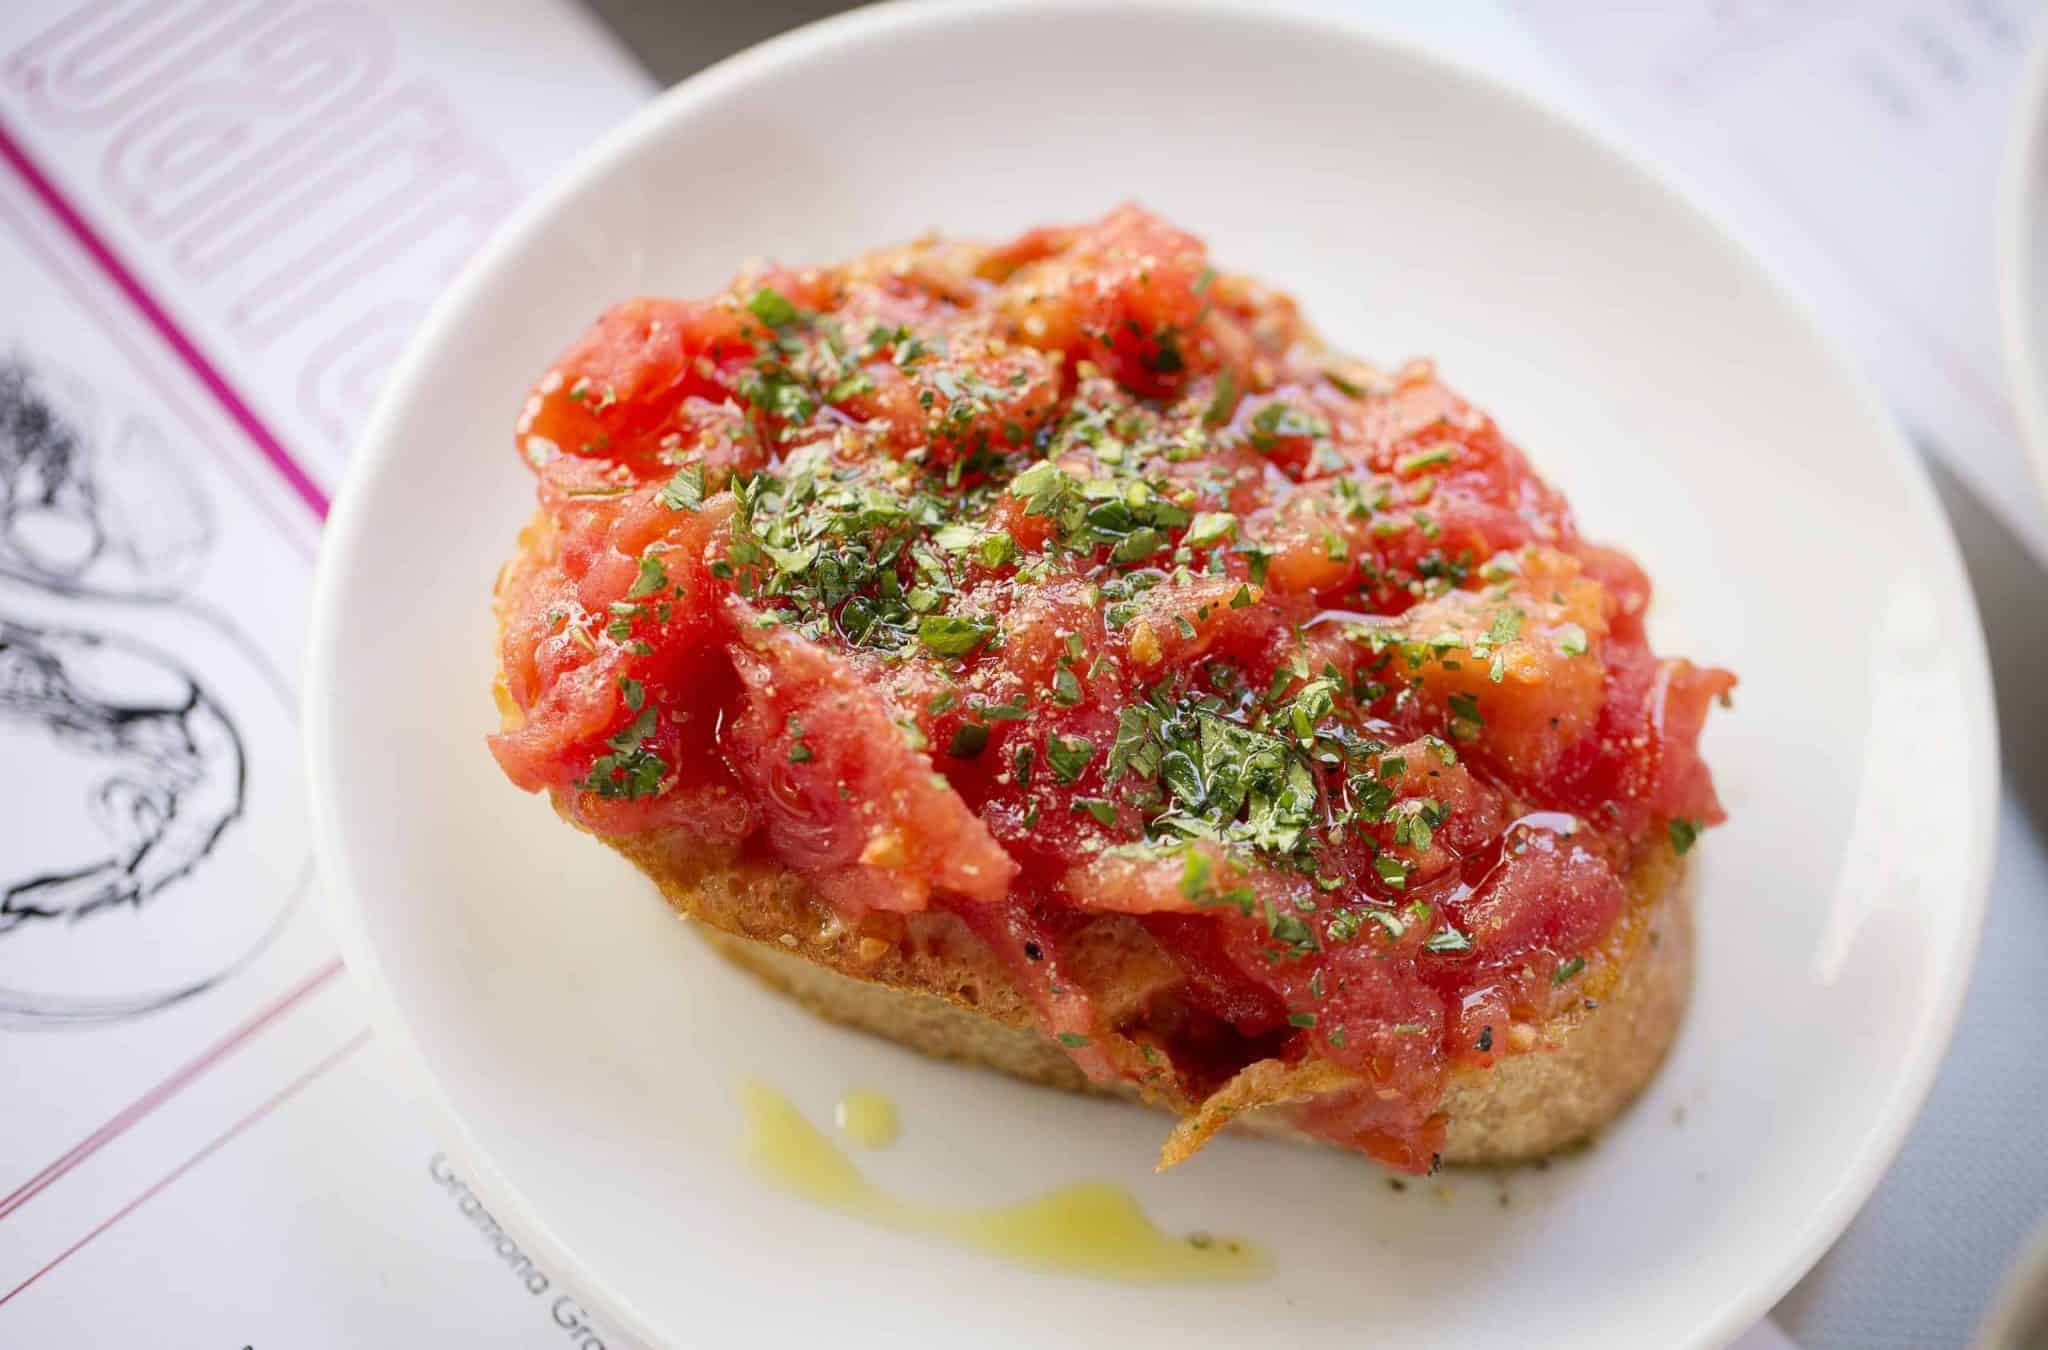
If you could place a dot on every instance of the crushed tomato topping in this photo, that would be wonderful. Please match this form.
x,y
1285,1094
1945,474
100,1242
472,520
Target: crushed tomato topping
x,y
1071,586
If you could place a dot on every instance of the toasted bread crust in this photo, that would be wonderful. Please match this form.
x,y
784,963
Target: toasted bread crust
x,y
928,983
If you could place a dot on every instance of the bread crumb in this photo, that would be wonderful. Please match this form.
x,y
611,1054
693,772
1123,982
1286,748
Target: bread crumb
x,y
1145,649
885,848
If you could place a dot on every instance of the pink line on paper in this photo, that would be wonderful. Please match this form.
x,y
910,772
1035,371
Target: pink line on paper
x,y
283,1095
148,362
148,1102
166,327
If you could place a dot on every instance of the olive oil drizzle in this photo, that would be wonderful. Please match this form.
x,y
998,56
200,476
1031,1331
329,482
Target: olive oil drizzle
x,y
1092,1229
867,1118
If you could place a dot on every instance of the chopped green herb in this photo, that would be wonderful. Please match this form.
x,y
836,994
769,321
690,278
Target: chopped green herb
x,y
851,386
1066,689
1393,923
1280,420
631,771
1434,457
1448,939
1210,527
948,635
653,577
684,491
1223,402
1068,755
777,393
770,307
1139,544
1104,811
1288,929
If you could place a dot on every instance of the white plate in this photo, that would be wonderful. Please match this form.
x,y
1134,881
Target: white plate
x,y
582,1049
2023,255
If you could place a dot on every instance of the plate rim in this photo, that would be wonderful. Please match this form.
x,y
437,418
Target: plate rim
x,y
2021,176
375,447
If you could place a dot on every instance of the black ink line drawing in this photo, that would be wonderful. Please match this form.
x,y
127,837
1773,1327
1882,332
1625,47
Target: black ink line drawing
x,y
142,869
175,773
130,766
92,500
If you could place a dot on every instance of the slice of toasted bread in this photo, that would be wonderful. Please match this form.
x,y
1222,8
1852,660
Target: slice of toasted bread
x,y
929,983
